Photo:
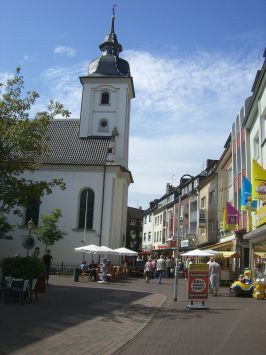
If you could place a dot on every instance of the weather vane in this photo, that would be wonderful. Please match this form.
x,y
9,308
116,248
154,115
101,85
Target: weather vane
x,y
114,6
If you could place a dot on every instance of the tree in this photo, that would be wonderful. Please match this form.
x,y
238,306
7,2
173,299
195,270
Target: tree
x,y
48,233
5,227
23,144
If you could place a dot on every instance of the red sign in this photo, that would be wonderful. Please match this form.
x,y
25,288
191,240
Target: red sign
x,y
198,283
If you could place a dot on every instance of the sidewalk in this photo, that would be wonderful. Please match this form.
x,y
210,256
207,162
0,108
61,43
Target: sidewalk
x,y
90,318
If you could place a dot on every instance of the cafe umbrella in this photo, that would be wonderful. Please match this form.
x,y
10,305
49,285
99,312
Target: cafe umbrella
x,y
126,252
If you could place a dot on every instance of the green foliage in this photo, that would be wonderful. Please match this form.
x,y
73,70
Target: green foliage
x,y
5,227
22,267
48,232
22,144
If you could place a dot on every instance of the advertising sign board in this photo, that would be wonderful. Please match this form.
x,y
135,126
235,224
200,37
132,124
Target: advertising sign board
x,y
202,218
198,281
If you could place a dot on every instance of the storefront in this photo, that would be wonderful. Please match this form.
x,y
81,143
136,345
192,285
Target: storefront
x,y
228,257
257,251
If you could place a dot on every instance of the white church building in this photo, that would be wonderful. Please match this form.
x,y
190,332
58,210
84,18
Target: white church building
x,y
90,154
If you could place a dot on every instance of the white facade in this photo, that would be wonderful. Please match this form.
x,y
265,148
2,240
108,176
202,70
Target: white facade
x,y
148,231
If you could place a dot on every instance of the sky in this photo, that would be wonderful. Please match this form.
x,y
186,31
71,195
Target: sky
x,y
193,64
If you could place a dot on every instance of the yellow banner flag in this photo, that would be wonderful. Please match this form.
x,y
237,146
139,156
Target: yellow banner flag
x,y
258,181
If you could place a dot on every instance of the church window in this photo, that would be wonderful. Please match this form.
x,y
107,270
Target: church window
x,y
86,207
32,211
105,98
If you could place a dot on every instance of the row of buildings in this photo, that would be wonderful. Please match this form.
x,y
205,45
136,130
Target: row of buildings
x,y
192,214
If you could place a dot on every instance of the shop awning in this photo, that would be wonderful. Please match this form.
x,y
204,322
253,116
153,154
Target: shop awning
x,y
260,253
145,252
230,254
217,246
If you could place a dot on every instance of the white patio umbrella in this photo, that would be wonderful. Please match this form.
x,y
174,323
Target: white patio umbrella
x,y
106,250
90,249
197,252
126,252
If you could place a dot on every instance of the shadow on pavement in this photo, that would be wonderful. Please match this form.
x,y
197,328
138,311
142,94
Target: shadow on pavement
x,y
63,307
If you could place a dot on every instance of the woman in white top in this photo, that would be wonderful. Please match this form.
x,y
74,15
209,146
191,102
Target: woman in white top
x,y
148,268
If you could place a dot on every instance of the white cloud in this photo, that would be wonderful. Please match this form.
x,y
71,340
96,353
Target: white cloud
x,y
64,85
181,116
68,51
4,76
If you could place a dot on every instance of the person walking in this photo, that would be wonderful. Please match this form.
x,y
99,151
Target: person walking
x,y
47,260
148,268
215,275
160,266
168,267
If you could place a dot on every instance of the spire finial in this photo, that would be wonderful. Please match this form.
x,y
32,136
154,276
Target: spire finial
x,y
114,6
110,45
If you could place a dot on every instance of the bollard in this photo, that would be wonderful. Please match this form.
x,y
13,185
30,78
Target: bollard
x,y
76,274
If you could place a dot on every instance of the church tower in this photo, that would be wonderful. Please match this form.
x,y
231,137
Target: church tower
x,y
107,91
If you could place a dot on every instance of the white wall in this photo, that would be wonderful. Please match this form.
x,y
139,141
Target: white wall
x,y
68,201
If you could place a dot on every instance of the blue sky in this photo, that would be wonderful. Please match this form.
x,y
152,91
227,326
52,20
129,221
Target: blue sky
x,y
193,64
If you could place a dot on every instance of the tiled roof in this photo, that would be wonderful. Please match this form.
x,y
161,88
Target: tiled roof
x,y
67,148
135,212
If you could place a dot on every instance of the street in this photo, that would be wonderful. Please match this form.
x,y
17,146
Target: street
x,y
130,317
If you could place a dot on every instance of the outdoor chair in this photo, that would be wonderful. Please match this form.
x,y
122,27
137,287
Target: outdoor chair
x,y
84,274
17,291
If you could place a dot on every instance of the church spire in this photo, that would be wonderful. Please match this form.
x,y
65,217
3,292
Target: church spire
x,y
109,63
110,46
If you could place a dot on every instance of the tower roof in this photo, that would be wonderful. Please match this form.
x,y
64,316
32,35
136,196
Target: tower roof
x,y
109,63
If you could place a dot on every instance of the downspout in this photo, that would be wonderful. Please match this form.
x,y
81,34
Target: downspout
x,y
103,189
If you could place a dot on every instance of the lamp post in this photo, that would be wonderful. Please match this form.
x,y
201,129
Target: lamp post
x,y
178,235
28,241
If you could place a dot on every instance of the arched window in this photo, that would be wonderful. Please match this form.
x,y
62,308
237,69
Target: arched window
x,y
32,211
86,207
105,98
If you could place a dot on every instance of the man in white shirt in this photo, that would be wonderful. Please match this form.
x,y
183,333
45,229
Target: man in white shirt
x,y
160,267
215,275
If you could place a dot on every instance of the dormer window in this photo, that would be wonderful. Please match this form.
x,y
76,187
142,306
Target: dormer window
x,y
105,98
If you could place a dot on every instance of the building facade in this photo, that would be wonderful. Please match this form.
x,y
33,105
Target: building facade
x,y
90,154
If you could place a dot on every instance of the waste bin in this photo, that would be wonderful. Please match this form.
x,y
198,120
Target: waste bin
x,y
76,274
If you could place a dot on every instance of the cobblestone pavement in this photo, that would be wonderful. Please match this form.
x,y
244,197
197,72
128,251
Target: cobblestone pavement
x,y
129,317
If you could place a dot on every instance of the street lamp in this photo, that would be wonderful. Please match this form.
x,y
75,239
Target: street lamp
x,y
177,239
28,241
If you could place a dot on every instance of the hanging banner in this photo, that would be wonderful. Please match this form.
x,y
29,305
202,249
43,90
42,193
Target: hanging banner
x,y
247,204
232,215
261,216
198,281
258,181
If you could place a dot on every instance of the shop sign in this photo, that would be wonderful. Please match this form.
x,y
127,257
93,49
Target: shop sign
x,y
202,218
198,281
261,216
184,243
162,246
172,244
